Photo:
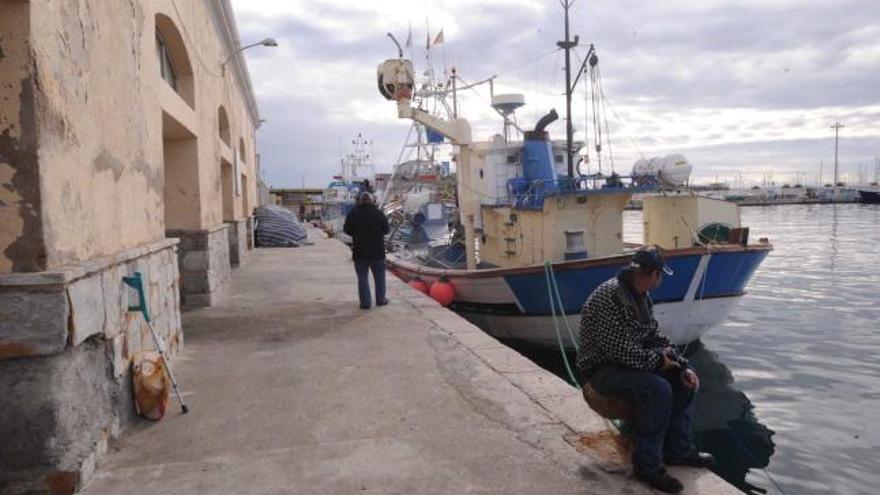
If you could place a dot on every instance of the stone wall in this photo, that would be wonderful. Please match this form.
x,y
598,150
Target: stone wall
x,y
66,342
238,245
203,263
250,232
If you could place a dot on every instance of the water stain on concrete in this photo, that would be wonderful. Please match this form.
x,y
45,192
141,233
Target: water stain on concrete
x,y
105,161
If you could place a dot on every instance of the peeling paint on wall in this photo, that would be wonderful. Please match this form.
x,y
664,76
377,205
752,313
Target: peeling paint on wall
x,y
21,237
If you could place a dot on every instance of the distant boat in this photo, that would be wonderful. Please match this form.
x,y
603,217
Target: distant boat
x,y
340,195
871,197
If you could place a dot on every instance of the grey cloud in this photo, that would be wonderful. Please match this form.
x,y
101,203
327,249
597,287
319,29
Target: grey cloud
x,y
656,58
781,157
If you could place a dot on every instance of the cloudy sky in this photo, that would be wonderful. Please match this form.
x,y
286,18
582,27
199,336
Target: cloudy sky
x,y
745,89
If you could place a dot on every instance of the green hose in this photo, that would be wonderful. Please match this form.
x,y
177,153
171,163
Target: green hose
x,y
553,289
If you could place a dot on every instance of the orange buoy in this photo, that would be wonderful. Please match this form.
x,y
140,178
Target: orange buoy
x,y
442,291
419,285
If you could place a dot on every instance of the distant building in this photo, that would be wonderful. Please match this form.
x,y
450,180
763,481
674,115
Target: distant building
x,y
306,203
127,143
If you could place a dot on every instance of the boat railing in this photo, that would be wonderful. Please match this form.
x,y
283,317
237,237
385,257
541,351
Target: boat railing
x,y
529,194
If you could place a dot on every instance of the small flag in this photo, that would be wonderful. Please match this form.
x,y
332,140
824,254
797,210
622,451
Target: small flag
x,y
439,38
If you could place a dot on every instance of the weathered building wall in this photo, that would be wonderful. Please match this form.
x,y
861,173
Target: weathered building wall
x,y
101,104
103,167
21,227
99,150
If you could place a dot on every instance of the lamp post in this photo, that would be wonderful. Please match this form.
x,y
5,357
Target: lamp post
x,y
266,42
837,127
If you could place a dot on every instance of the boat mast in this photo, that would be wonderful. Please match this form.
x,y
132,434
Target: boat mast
x,y
837,127
567,45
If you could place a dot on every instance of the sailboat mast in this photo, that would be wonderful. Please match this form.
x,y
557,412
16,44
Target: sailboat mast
x,y
567,45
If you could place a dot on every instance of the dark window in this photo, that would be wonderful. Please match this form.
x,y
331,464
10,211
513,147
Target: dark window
x,y
166,65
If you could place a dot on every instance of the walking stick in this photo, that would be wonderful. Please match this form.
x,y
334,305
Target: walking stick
x,y
136,282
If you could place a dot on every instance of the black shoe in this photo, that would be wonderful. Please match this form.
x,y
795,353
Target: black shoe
x,y
383,303
365,307
661,480
694,459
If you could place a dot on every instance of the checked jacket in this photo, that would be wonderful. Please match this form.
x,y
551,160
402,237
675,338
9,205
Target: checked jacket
x,y
612,334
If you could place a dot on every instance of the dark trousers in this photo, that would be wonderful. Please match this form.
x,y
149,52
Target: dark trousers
x,y
663,412
363,268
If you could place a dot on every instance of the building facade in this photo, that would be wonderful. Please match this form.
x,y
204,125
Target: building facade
x,y
127,143
306,203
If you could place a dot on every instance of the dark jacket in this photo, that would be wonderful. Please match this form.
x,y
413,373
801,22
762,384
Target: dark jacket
x,y
367,227
618,328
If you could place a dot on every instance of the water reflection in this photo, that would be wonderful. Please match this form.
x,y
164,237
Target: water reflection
x,y
725,423
833,247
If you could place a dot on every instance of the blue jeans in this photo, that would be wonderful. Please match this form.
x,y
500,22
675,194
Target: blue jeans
x,y
663,412
363,268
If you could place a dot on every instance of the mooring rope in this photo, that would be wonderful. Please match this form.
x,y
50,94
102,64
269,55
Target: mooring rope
x,y
553,290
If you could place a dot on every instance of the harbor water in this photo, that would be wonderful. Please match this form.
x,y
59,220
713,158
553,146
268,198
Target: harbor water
x,y
791,382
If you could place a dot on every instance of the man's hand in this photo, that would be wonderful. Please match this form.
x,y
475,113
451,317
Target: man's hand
x,y
668,364
690,379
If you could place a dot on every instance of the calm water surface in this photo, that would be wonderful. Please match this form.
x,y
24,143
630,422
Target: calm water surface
x,y
791,383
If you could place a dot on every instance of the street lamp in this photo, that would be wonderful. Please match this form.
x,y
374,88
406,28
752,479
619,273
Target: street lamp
x,y
265,42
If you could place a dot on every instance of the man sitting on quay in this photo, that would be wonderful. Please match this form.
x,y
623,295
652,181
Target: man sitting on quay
x,y
623,354
367,226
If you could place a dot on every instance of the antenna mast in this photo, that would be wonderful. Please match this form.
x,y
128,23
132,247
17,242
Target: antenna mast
x,y
567,45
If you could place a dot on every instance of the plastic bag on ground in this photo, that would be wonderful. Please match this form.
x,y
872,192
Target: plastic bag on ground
x,y
151,385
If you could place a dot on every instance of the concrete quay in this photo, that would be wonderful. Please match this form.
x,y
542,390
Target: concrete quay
x,y
294,389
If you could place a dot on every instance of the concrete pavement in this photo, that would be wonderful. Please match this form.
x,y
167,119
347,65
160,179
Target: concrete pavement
x,y
294,389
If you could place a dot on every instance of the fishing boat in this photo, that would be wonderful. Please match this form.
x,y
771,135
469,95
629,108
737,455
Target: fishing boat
x,y
524,212
340,195
869,196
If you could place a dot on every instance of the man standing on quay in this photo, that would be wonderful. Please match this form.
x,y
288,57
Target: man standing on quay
x,y
623,354
367,226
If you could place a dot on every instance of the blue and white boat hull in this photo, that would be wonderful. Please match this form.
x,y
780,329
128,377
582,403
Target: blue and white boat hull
x,y
682,322
513,303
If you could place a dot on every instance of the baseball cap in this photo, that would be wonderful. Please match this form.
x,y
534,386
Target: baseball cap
x,y
651,258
